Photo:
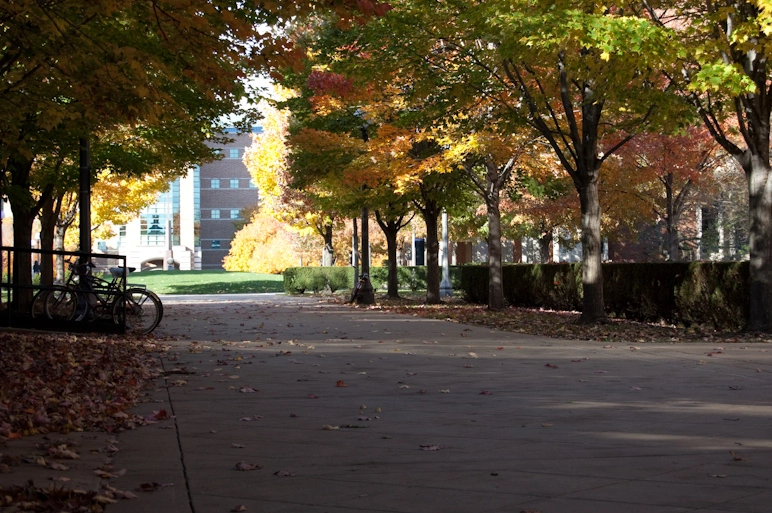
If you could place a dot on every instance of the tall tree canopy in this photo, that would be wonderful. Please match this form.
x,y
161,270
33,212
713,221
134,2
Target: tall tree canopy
x,y
576,72
723,51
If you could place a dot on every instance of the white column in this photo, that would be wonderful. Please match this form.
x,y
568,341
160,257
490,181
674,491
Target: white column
x,y
446,288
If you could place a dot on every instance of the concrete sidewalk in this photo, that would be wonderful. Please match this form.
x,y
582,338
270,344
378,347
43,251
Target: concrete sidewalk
x,y
330,408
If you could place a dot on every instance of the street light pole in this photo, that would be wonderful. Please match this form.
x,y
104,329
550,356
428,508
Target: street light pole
x,y
366,296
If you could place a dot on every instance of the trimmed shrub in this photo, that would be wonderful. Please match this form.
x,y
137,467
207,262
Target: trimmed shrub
x,y
298,280
714,293
642,292
707,293
409,277
474,283
551,286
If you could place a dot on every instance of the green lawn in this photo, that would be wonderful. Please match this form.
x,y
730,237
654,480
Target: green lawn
x,y
207,282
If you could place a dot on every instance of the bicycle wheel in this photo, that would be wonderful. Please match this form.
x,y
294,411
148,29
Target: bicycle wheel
x,y
38,309
141,309
60,303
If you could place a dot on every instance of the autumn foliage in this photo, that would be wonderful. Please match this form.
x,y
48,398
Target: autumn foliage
x,y
265,245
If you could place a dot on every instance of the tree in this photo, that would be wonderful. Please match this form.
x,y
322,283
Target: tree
x,y
575,72
665,173
265,245
269,164
489,157
722,52
73,70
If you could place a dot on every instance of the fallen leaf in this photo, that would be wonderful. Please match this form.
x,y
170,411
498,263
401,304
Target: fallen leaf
x,y
551,366
735,457
245,467
485,392
239,508
341,383
151,487
430,447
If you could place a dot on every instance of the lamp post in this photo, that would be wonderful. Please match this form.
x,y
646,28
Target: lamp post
x,y
366,296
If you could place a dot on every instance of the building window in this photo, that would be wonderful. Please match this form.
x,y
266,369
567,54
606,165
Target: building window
x,y
234,183
215,214
234,213
215,183
152,230
215,244
233,153
252,184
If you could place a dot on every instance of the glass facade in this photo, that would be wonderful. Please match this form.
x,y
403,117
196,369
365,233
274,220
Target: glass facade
x,y
175,226
197,206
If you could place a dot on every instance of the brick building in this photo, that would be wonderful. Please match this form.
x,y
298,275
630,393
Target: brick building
x,y
191,225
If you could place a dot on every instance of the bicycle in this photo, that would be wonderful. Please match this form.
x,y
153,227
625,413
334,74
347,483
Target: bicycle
x,y
363,278
85,296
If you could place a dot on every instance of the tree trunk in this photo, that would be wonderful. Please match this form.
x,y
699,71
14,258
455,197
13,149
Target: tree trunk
x,y
495,274
48,217
672,238
592,274
390,228
760,207
545,247
25,209
327,252
59,270
431,214
63,223
22,260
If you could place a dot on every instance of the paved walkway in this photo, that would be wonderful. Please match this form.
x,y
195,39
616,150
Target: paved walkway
x,y
329,408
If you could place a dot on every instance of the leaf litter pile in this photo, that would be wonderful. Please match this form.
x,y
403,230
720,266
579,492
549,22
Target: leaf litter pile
x,y
566,325
56,383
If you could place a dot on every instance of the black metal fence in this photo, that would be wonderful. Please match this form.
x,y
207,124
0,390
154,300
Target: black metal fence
x,y
18,293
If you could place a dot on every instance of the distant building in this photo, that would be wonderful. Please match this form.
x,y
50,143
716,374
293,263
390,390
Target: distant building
x,y
191,226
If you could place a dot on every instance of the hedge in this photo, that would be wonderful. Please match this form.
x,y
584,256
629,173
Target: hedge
x,y
707,293
298,280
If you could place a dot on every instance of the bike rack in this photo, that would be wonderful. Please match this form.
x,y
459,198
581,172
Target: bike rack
x,y
16,294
